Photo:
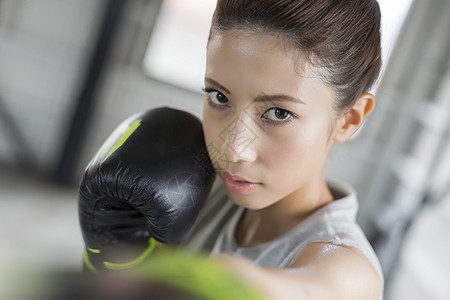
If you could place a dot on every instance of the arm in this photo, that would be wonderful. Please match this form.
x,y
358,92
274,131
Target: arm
x,y
319,271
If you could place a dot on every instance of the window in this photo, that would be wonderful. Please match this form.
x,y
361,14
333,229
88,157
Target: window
x,y
393,14
176,52
177,49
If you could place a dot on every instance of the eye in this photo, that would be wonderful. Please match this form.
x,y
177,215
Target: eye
x,y
278,115
218,98
215,97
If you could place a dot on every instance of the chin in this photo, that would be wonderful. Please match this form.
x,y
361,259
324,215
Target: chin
x,y
249,202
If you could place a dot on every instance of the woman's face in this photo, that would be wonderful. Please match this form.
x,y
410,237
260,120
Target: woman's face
x,y
268,120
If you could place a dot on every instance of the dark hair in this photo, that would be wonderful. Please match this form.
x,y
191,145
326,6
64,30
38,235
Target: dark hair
x,y
340,36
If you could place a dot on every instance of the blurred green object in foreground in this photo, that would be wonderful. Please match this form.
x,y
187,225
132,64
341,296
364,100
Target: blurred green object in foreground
x,y
196,274
168,274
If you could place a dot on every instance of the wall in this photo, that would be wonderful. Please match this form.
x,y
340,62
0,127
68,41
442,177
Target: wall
x,y
43,48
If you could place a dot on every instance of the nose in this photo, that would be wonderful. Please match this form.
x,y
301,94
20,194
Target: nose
x,y
239,141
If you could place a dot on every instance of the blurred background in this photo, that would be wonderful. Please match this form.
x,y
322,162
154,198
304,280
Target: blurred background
x,y
71,71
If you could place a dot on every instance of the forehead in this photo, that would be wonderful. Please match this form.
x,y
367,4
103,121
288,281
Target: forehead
x,y
259,63
254,46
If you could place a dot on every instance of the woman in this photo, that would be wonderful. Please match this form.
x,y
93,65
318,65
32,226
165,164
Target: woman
x,y
284,81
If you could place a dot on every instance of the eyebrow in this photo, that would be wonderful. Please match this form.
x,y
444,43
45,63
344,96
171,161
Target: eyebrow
x,y
277,97
213,82
262,97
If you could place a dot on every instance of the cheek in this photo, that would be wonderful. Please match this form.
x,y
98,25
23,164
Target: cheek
x,y
212,129
282,156
209,126
304,149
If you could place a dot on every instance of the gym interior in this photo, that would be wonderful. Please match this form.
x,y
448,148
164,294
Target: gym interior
x,y
70,71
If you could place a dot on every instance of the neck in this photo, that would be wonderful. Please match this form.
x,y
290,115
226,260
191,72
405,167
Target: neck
x,y
260,226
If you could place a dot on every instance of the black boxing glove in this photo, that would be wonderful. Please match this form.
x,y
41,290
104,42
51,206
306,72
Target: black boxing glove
x,y
147,183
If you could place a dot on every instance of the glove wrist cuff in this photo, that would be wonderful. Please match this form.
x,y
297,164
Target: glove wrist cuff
x,y
152,245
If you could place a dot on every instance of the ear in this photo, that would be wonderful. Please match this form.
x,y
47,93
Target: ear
x,y
349,122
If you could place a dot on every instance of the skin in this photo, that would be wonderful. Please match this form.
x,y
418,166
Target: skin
x,y
254,131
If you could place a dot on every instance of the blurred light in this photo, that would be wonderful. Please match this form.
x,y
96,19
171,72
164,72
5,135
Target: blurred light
x,y
176,52
177,49
393,14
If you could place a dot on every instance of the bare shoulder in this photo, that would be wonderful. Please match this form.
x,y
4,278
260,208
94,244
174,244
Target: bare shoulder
x,y
344,270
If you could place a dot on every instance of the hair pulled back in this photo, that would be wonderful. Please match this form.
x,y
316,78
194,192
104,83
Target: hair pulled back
x,y
340,37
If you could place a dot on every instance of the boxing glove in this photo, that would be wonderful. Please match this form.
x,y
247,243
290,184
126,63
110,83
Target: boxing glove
x,y
146,184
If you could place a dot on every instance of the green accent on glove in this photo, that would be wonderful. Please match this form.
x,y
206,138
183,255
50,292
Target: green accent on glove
x,y
96,251
129,131
121,133
88,262
152,244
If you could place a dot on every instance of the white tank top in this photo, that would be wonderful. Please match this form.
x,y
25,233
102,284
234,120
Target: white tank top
x,y
335,223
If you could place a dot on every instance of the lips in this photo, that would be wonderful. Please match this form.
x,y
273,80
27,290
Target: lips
x,y
238,184
237,178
